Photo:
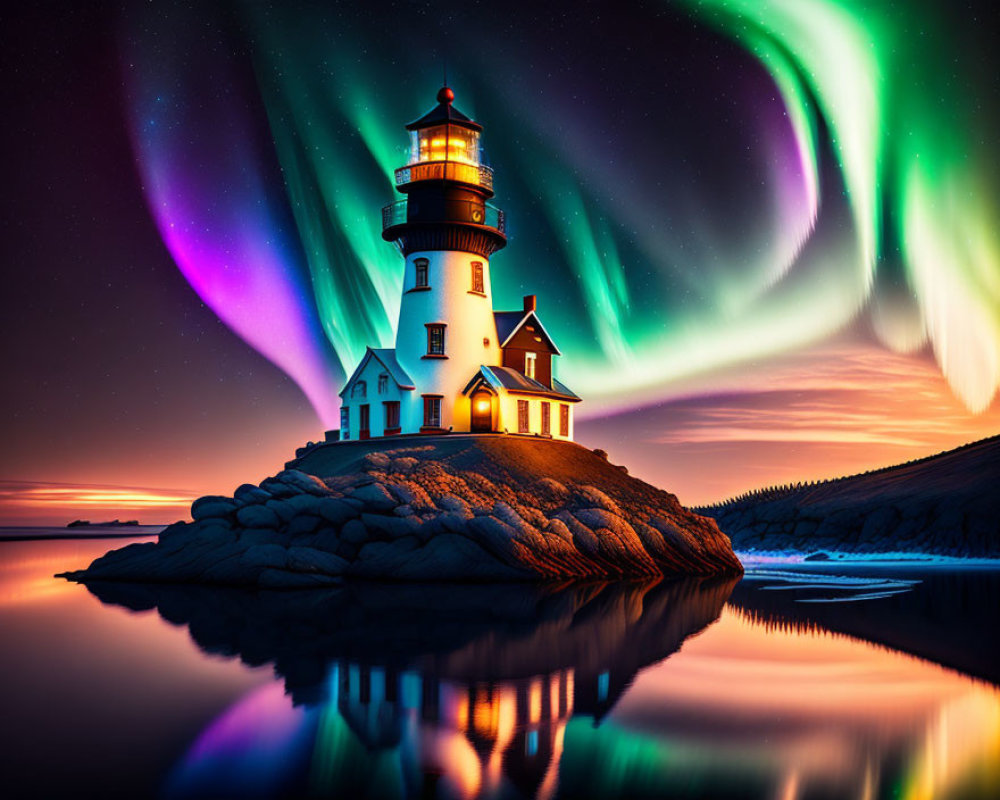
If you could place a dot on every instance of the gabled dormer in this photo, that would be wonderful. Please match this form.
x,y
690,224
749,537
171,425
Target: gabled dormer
x,y
525,345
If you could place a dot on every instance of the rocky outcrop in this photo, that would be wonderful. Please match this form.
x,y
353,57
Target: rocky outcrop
x,y
944,505
446,509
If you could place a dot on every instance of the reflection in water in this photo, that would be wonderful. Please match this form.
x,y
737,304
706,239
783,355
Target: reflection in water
x,y
580,691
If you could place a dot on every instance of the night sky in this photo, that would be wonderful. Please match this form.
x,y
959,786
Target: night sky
x,y
763,234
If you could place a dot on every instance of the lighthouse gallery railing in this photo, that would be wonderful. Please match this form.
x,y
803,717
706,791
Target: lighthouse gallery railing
x,y
463,211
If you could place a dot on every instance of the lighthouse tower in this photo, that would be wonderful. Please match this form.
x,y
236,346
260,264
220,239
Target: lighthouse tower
x,y
457,365
447,232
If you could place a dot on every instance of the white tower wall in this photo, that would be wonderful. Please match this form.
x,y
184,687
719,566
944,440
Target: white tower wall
x,y
470,334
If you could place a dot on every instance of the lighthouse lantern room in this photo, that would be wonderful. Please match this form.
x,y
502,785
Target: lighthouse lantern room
x,y
457,365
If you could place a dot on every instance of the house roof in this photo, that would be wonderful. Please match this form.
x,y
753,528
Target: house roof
x,y
518,383
510,322
386,356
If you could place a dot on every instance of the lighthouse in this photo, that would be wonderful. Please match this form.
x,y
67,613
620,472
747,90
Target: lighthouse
x,y
458,366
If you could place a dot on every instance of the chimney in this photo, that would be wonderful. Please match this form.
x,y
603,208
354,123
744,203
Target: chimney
x,y
530,303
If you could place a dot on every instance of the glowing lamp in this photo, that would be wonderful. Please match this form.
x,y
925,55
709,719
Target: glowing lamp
x,y
482,406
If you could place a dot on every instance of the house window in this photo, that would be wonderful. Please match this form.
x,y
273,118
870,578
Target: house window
x,y
546,419
391,415
529,364
421,266
522,417
563,420
383,383
435,340
432,412
364,425
477,277
345,422
359,390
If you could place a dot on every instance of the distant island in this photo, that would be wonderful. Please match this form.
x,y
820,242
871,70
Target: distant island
x,y
457,507
115,523
944,505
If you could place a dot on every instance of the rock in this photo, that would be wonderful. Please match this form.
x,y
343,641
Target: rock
x,y
212,506
303,524
337,510
375,496
354,532
258,517
279,489
403,511
252,536
308,484
376,460
457,505
326,540
403,464
265,555
282,579
248,494
392,527
307,559
598,498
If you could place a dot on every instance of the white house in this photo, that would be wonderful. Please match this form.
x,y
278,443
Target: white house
x,y
458,365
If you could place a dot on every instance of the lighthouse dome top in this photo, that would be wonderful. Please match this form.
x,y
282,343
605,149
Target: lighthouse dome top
x,y
444,113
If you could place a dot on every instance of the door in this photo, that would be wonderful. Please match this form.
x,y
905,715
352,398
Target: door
x,y
482,412
365,431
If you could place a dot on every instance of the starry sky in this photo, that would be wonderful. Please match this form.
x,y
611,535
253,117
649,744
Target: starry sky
x,y
763,233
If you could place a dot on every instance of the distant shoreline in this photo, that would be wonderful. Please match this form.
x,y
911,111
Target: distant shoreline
x,y
27,533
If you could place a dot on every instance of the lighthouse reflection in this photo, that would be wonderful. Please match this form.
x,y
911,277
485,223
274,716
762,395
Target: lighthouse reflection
x,y
407,691
684,689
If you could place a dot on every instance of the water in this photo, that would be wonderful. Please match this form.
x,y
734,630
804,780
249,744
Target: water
x,y
799,681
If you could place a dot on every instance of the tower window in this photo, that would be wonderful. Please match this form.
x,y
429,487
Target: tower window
x,y
383,383
421,267
345,422
523,422
477,277
360,390
432,412
563,419
435,340
546,419
529,364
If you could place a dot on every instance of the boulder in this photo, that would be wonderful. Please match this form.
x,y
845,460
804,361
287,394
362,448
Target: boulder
x,y
212,506
258,517
248,494
375,496
337,510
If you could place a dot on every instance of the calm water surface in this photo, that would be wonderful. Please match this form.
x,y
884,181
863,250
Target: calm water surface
x,y
796,682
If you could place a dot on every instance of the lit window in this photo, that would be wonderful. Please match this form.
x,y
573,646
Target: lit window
x,y
563,420
529,364
523,425
546,419
477,277
421,267
383,383
360,390
435,340
391,415
345,422
432,412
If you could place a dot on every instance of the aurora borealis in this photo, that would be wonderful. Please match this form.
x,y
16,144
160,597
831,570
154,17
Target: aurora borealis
x,y
700,193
